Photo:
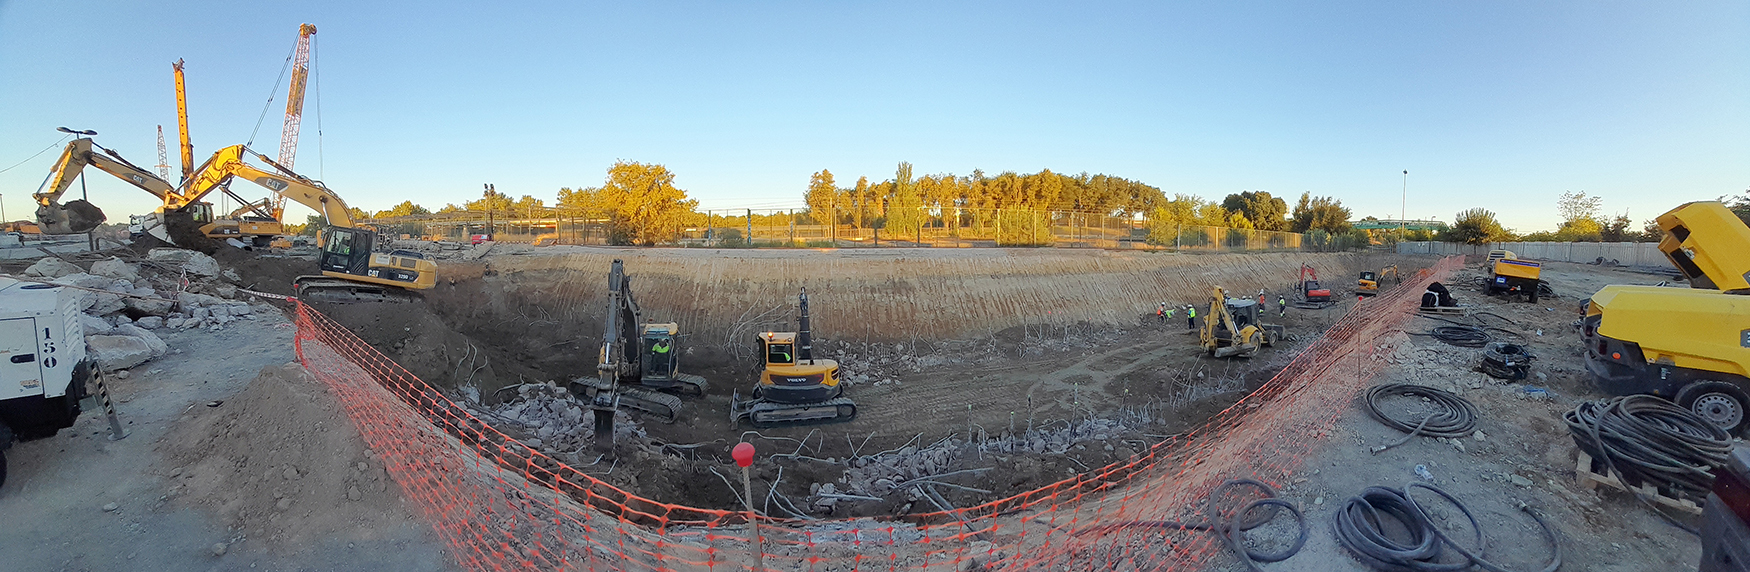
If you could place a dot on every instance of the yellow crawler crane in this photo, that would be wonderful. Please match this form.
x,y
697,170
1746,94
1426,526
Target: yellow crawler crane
x,y
1233,327
793,388
1688,345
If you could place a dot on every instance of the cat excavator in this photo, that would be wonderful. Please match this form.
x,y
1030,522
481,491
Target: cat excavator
x,y
794,387
1234,328
638,365
80,216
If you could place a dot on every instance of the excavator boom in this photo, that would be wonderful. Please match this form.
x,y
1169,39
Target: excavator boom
x,y
80,216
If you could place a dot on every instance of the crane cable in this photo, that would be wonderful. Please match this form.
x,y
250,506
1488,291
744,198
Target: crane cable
x,y
316,76
270,96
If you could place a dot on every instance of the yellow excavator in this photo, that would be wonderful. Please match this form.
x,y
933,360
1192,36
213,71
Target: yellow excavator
x,y
793,387
1234,328
79,216
353,269
1689,345
1368,283
638,365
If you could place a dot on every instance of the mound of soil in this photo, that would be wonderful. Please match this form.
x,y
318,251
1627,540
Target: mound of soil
x,y
280,463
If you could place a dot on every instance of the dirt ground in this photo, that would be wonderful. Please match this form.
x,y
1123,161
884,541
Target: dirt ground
x,y
1525,453
532,315
190,476
276,474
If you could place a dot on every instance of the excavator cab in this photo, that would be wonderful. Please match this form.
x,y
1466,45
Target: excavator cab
x,y
346,250
793,386
660,361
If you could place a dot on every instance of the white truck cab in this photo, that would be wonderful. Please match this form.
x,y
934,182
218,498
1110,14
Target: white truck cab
x,y
43,366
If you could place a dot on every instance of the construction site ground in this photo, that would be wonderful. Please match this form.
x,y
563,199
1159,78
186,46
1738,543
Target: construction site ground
x,y
1077,374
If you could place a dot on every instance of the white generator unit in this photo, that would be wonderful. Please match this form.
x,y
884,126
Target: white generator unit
x,y
43,368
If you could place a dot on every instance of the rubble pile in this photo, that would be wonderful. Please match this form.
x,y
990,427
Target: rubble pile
x,y
554,422
126,304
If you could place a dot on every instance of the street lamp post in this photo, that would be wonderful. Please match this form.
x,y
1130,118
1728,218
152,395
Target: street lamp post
x,y
486,198
1404,204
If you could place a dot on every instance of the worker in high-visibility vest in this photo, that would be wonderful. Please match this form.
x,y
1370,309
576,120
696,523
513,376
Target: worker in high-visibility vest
x,y
1282,305
1190,317
1161,312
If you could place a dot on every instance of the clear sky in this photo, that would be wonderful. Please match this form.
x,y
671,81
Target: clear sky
x,y
1502,105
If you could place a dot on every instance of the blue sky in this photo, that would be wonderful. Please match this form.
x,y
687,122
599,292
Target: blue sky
x,y
1501,105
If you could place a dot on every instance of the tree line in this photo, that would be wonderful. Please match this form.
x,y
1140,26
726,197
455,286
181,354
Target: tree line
x,y
1582,221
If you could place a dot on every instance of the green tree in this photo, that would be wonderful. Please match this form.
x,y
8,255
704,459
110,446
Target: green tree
x,y
1266,212
1618,230
357,214
529,207
822,196
1321,213
1740,205
1651,231
1475,226
491,201
313,225
406,208
1578,206
904,217
644,207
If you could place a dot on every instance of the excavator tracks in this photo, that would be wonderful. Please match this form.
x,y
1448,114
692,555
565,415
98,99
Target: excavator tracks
x,y
658,405
694,385
334,291
766,414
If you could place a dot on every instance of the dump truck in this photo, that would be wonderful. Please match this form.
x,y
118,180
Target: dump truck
x,y
1689,345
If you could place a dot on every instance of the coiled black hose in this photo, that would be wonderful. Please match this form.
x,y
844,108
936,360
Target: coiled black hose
x,y
1453,416
1461,336
1357,526
1230,525
1651,441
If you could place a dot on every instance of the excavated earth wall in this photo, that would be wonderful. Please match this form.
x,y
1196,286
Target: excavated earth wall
x,y
890,295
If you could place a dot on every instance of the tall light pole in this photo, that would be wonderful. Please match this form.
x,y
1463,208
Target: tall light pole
x,y
1404,204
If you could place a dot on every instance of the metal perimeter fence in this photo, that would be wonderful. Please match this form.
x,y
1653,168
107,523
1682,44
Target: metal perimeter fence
x,y
1620,253
924,227
502,505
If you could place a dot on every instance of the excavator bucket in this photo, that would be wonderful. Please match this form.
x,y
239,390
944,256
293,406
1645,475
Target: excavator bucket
x,y
75,217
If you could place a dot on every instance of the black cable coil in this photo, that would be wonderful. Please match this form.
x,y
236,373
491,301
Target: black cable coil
x,y
1357,526
1230,525
1651,441
1454,417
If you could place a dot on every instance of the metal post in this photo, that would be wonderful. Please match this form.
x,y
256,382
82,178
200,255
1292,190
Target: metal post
x,y
743,455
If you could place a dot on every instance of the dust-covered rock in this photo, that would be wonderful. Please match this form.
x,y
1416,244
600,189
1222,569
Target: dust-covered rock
x,y
150,322
152,340
115,268
94,325
51,267
149,306
190,261
112,352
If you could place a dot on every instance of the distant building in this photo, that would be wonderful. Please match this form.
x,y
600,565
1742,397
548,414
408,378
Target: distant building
x,y
1384,224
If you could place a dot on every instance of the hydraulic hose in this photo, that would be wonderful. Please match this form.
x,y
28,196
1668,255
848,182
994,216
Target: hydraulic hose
x,y
1231,525
1357,526
1648,440
1453,417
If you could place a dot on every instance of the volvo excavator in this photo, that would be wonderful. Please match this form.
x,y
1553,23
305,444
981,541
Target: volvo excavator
x,y
638,365
793,387
1234,327
1368,283
1689,345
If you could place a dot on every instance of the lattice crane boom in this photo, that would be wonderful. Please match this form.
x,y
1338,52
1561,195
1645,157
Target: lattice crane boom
x,y
295,104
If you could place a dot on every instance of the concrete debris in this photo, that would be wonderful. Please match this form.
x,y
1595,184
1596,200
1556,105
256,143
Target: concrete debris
x,y
51,268
557,423
112,352
93,325
190,261
115,268
149,306
152,340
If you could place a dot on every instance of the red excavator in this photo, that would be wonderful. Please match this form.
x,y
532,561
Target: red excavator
x,y
1312,296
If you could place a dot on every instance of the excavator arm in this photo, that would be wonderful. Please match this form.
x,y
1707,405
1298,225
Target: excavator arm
x,y
228,163
80,216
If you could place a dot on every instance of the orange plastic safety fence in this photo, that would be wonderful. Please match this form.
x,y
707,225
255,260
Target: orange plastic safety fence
x,y
501,505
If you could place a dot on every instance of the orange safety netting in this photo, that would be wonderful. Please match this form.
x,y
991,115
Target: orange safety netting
x,y
501,505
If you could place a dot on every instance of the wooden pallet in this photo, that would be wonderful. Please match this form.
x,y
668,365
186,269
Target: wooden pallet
x,y
1444,310
1585,473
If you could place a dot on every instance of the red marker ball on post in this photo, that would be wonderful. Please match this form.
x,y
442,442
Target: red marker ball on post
x,y
743,454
